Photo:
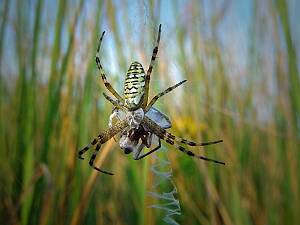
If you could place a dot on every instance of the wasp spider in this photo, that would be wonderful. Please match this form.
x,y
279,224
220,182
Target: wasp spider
x,y
138,124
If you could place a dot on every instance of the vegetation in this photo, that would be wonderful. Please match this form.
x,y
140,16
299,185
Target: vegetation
x,y
241,61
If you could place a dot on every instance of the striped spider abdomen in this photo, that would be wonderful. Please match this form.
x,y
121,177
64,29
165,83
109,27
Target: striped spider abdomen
x,y
134,87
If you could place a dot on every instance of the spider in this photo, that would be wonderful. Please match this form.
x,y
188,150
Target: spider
x,y
138,124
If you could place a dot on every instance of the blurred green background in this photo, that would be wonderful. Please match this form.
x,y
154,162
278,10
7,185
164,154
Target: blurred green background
x,y
241,60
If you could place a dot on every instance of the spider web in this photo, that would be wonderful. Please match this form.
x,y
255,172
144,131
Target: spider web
x,y
163,189
167,201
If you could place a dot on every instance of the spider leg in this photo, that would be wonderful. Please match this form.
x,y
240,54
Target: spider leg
x,y
98,146
146,142
86,148
115,104
172,140
167,135
190,153
155,98
150,152
188,142
112,101
101,139
147,79
103,76
138,151
110,123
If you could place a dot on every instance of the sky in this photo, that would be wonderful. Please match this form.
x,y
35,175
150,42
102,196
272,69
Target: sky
x,y
234,28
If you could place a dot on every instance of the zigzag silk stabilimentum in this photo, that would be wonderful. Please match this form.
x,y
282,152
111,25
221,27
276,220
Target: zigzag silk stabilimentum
x,y
167,201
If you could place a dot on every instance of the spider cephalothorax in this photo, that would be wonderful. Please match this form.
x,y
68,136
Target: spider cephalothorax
x,y
135,138
138,123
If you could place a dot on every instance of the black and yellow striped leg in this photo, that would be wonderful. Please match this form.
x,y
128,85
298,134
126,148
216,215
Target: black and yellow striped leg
x,y
98,146
150,152
190,153
106,83
155,98
172,140
188,142
148,74
166,135
113,101
101,139
86,148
